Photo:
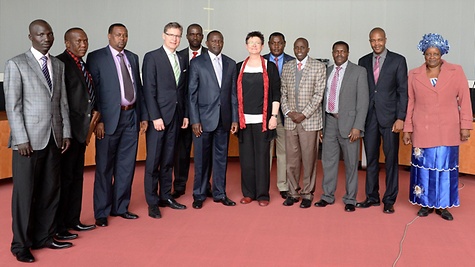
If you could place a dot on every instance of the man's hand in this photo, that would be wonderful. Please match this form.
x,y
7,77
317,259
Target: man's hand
x,y
296,117
25,149
143,126
234,127
65,145
197,130
99,131
464,134
158,124
354,135
398,126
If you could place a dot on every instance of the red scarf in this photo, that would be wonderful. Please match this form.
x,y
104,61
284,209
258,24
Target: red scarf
x,y
242,120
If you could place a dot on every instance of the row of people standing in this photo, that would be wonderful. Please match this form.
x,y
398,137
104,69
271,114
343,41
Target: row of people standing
x,y
213,95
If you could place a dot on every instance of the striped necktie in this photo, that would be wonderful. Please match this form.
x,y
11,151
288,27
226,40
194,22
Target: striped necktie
x,y
44,69
88,79
176,69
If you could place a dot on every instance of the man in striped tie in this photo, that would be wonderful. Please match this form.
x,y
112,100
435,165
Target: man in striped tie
x,y
81,99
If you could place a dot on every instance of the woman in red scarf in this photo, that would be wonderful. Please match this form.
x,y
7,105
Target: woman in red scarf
x,y
258,89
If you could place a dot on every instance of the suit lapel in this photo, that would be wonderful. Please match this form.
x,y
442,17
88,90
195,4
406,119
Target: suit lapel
x,y
35,66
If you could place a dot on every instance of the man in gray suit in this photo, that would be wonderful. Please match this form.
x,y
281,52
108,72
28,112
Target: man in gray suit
x,y
37,110
346,105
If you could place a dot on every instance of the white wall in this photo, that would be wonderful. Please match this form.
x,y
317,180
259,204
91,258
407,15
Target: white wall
x,y
322,22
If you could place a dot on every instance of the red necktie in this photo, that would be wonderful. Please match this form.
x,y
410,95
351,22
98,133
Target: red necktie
x,y
299,66
194,54
376,70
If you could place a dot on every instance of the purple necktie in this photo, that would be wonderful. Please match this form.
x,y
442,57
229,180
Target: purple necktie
x,y
333,87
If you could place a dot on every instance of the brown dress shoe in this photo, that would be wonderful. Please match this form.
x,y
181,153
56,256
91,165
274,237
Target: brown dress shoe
x,y
245,200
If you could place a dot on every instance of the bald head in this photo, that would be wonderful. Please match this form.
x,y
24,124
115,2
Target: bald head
x,y
76,41
41,35
377,40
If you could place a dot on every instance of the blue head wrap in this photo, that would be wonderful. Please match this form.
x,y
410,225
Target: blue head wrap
x,y
434,40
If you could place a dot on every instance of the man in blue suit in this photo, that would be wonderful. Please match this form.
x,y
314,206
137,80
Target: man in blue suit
x,y
116,76
213,113
164,89
276,46
387,81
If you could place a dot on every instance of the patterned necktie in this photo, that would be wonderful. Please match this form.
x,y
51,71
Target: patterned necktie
x,y
333,87
376,70
44,69
218,69
276,59
176,69
194,54
299,66
128,85
88,79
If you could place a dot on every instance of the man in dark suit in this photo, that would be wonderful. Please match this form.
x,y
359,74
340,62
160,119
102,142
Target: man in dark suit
x,y
81,96
346,105
119,100
387,80
164,89
213,113
37,108
181,168
276,46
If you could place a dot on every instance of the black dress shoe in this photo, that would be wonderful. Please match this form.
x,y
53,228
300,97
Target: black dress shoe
x,y
154,212
322,203
424,211
284,194
306,203
172,204
65,235
445,214
349,207
83,227
388,208
24,255
129,215
57,245
226,201
289,201
177,194
197,204
102,222
367,203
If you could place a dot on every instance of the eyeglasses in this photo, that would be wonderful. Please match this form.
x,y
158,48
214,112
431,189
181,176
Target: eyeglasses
x,y
173,35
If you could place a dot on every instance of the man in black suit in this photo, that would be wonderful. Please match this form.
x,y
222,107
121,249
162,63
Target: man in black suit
x,y
213,113
81,98
387,81
181,168
164,89
37,108
116,76
276,46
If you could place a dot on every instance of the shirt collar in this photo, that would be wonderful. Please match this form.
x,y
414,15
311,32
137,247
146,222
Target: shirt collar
x,y
382,55
168,51
37,54
190,52
304,61
115,52
213,56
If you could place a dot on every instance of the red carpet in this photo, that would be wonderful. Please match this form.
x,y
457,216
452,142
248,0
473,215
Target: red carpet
x,y
249,235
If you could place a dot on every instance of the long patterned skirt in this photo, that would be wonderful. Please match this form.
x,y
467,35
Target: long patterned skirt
x,y
434,177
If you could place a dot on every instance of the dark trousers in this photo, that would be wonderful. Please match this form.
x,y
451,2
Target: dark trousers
x,y
72,177
372,141
211,149
254,157
116,154
35,196
181,167
159,161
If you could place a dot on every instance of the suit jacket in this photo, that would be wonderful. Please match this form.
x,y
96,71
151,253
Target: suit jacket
x,y
311,89
353,99
107,85
78,98
287,58
435,115
208,101
33,110
162,94
390,101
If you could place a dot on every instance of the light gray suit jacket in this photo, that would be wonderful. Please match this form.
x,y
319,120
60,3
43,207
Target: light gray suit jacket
x,y
353,99
33,111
